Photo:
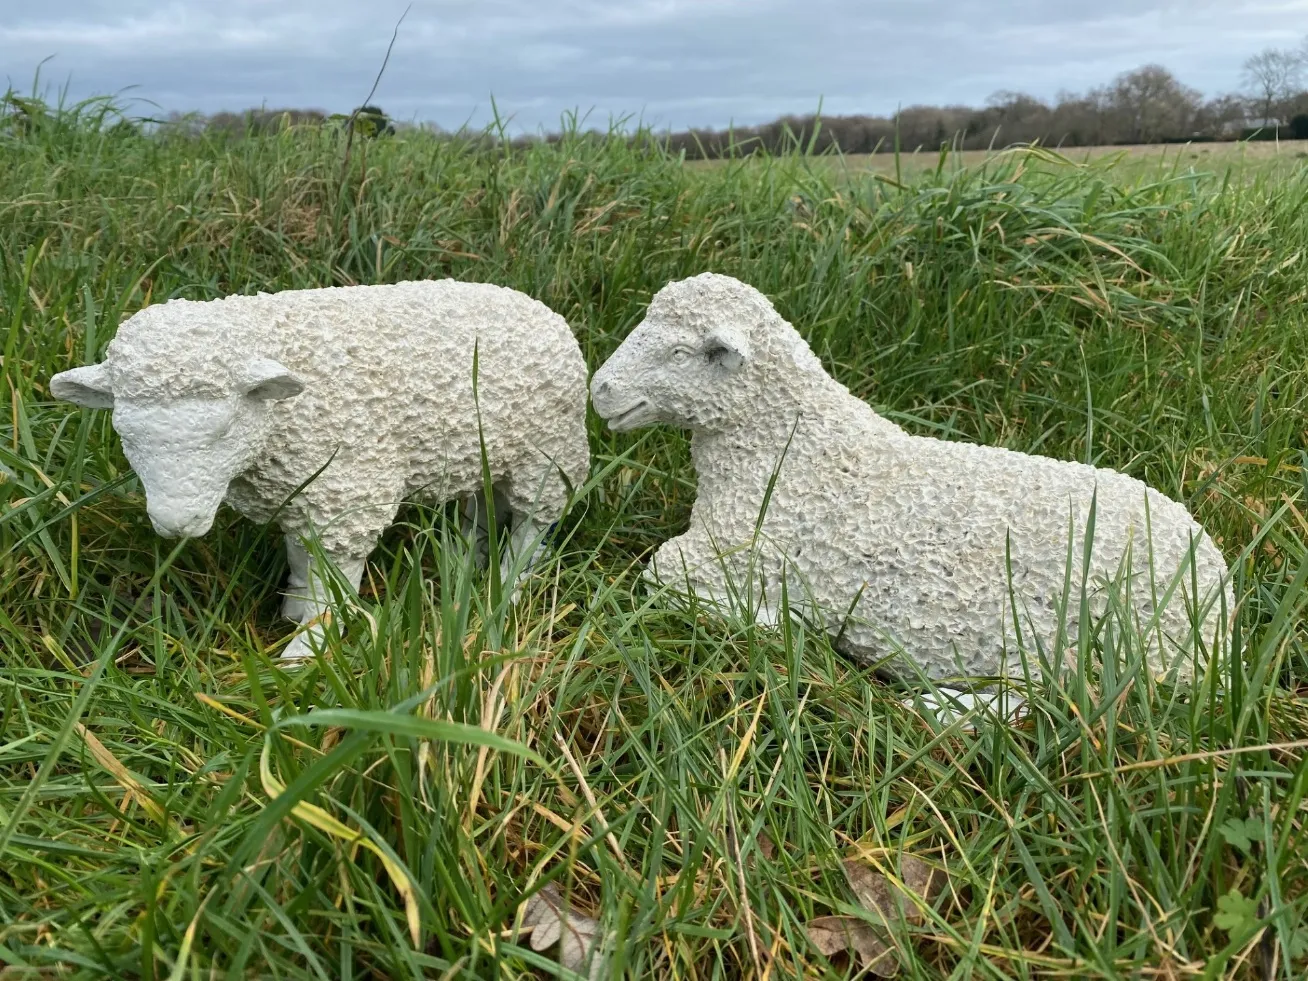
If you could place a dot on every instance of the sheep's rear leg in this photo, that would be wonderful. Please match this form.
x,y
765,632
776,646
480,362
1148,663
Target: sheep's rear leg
x,y
309,596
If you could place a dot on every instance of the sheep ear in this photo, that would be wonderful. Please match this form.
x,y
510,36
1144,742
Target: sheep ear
x,y
727,347
87,386
269,381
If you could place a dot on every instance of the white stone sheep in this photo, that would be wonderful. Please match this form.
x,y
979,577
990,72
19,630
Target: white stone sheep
x,y
246,398
895,543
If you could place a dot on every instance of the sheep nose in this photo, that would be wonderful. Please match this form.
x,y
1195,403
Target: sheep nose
x,y
603,388
169,524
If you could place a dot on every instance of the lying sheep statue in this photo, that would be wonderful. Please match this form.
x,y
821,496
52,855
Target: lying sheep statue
x,y
903,542
247,398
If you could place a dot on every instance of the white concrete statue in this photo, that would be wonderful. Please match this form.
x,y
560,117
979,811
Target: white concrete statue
x,y
244,399
898,545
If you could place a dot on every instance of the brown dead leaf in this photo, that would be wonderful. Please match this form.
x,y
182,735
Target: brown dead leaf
x,y
848,934
879,895
551,921
887,902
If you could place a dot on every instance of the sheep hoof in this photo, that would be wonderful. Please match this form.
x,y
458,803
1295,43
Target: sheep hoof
x,y
300,648
947,706
516,593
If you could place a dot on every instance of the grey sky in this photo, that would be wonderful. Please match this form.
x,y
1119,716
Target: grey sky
x,y
676,62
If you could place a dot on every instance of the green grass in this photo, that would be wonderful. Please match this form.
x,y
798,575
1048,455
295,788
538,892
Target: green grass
x,y
1152,323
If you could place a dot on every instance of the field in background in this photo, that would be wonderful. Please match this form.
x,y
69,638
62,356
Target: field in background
x,y
1128,161
171,805
1164,156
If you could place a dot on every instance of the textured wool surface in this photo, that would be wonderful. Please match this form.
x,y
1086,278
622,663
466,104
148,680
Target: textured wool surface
x,y
388,404
895,543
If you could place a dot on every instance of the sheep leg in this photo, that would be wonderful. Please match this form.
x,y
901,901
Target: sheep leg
x,y
526,538
772,579
689,563
475,527
295,599
309,595
476,521
948,705
676,566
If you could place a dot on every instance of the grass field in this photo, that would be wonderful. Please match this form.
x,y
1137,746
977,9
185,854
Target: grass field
x,y
173,805
1144,159
1153,161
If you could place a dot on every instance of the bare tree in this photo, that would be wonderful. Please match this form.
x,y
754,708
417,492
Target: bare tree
x,y
1016,106
1151,103
1084,120
1273,76
1008,117
1222,115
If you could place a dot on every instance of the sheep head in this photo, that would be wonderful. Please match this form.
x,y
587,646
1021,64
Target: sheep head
x,y
186,447
693,362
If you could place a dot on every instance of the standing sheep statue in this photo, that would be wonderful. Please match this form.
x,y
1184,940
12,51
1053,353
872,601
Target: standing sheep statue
x,y
358,398
903,543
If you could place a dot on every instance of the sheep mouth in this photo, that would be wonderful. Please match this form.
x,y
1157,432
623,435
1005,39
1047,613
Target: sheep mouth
x,y
640,414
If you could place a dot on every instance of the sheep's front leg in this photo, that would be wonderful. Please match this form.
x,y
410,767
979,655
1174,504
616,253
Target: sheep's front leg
x,y
308,595
687,565
295,598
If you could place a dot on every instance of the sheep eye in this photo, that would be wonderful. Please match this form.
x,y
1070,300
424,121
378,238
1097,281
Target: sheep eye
x,y
680,355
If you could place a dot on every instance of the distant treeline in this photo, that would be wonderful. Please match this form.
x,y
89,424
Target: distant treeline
x,y
1148,105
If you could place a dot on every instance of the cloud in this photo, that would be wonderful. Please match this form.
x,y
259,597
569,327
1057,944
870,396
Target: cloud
x,y
673,62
